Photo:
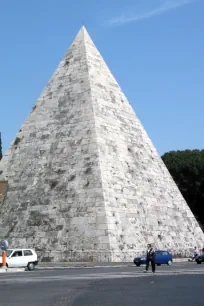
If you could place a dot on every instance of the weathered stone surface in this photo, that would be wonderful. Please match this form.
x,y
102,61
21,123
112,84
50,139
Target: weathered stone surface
x,y
3,189
84,180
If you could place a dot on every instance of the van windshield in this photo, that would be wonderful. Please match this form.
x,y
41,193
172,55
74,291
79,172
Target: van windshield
x,y
8,253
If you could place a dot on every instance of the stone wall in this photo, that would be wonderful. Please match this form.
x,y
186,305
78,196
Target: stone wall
x,y
3,190
142,202
55,198
85,182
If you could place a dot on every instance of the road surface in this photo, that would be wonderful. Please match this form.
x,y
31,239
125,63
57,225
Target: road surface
x,y
178,285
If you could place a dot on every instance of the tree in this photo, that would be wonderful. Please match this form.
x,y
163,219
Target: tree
x,y
0,148
187,170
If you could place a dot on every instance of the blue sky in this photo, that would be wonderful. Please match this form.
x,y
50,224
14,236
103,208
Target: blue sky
x,y
154,49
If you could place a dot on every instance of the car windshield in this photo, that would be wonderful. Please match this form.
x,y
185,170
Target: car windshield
x,y
8,253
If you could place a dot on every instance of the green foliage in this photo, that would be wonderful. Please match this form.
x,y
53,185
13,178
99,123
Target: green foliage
x,y
187,170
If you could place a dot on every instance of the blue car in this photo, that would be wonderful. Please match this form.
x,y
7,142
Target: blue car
x,y
199,258
161,257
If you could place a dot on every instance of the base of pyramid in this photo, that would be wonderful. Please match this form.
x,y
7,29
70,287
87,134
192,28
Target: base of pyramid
x,y
103,256
89,256
76,256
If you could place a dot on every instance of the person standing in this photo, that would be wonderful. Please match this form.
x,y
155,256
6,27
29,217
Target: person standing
x,y
195,252
150,258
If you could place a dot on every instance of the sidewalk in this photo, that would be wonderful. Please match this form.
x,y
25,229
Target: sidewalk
x,y
11,270
62,265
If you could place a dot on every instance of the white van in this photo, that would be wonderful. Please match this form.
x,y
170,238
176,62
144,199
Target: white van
x,y
16,258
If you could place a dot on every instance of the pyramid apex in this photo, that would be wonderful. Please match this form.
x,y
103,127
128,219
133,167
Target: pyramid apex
x,y
83,30
82,34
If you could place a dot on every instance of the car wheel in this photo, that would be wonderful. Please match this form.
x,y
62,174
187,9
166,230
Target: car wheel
x,y
169,263
158,264
137,264
199,262
31,266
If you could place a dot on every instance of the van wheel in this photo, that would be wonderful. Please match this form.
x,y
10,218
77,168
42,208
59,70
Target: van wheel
x,y
31,266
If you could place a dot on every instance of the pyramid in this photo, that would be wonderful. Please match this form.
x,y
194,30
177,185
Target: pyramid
x,y
82,179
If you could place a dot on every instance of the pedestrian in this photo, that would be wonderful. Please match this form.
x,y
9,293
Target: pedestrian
x,y
150,258
195,252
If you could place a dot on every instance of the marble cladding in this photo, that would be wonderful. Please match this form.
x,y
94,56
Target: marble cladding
x,y
85,182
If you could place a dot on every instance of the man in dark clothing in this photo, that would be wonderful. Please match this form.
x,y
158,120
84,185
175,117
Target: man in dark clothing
x,y
150,258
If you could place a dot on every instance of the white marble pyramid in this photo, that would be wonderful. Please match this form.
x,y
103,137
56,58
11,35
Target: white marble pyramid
x,y
85,182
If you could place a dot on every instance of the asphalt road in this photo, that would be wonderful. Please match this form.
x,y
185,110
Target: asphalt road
x,y
178,285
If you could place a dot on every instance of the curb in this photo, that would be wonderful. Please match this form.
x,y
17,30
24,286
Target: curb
x,y
40,267
75,265
79,265
180,260
11,270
